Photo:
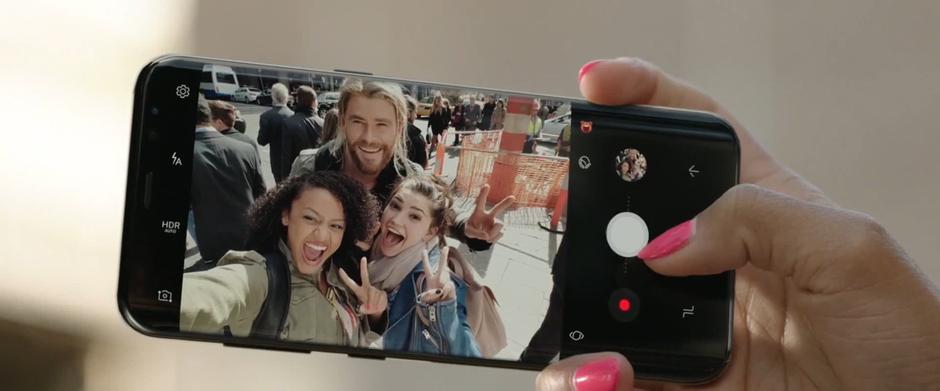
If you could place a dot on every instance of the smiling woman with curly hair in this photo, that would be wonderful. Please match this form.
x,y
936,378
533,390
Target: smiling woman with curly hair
x,y
306,227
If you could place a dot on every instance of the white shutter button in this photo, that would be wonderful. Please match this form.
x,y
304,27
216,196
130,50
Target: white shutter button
x,y
627,234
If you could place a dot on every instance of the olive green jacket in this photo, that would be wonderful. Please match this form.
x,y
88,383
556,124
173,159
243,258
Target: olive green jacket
x,y
232,293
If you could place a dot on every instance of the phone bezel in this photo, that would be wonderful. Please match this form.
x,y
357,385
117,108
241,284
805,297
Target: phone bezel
x,y
133,230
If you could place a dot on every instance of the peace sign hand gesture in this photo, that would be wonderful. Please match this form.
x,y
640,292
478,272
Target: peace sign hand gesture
x,y
438,285
483,224
373,301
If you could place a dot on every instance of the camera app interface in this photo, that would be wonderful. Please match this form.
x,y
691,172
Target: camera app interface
x,y
628,185
351,211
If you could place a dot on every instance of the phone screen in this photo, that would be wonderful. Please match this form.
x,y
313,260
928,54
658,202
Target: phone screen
x,y
219,150
255,191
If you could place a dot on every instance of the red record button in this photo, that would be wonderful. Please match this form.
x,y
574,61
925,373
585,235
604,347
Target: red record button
x,y
624,305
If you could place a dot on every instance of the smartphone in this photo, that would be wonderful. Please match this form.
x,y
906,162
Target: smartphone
x,y
255,192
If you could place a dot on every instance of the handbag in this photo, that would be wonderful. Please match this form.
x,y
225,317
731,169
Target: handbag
x,y
482,313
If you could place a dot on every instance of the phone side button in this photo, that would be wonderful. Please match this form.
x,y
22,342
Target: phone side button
x,y
353,72
282,349
148,188
366,356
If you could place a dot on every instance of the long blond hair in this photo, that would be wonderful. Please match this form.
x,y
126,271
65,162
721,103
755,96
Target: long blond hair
x,y
438,104
392,94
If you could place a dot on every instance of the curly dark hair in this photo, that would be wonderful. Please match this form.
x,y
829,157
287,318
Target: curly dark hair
x,y
359,207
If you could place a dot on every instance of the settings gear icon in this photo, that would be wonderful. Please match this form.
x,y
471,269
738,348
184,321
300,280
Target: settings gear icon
x,y
182,91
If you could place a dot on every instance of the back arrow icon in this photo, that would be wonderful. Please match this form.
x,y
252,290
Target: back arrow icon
x,y
693,171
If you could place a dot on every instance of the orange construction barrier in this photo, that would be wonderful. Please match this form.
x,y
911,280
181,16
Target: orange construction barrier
x,y
487,140
561,205
537,181
516,124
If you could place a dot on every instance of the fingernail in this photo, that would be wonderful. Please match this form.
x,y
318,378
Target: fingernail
x,y
669,242
587,68
600,375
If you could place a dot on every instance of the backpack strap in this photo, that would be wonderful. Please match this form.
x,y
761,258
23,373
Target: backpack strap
x,y
270,320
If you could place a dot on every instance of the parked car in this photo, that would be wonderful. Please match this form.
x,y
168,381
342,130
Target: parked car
x,y
246,94
265,98
553,127
326,101
218,82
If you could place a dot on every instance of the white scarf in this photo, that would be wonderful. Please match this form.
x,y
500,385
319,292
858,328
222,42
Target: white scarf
x,y
387,273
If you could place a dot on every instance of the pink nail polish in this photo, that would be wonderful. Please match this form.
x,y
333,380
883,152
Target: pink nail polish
x,y
669,242
587,68
601,375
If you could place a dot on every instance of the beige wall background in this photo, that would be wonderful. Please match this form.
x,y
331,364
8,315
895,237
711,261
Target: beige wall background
x,y
844,91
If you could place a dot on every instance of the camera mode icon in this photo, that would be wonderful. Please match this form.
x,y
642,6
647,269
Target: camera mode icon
x,y
584,162
576,335
165,296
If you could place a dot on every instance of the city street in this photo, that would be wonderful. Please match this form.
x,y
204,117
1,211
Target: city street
x,y
517,268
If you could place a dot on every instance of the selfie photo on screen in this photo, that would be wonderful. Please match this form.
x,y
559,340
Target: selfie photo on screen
x,y
359,212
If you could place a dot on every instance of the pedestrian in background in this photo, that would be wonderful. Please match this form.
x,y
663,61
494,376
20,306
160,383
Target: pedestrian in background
x,y
224,115
270,125
535,127
302,130
438,121
499,115
488,109
472,114
330,123
417,148
226,181
457,121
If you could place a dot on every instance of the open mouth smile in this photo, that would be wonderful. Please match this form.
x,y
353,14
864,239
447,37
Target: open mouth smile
x,y
313,253
370,150
392,237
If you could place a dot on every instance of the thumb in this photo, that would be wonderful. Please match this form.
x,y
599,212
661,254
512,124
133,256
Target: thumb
x,y
630,80
823,249
596,371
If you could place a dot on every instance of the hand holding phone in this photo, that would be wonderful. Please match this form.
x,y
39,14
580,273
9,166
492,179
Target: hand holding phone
x,y
799,220
272,268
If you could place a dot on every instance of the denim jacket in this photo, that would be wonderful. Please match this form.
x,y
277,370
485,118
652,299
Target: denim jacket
x,y
439,328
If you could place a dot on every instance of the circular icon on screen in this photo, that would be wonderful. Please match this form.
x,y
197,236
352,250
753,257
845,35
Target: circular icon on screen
x,y
627,234
624,305
630,165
